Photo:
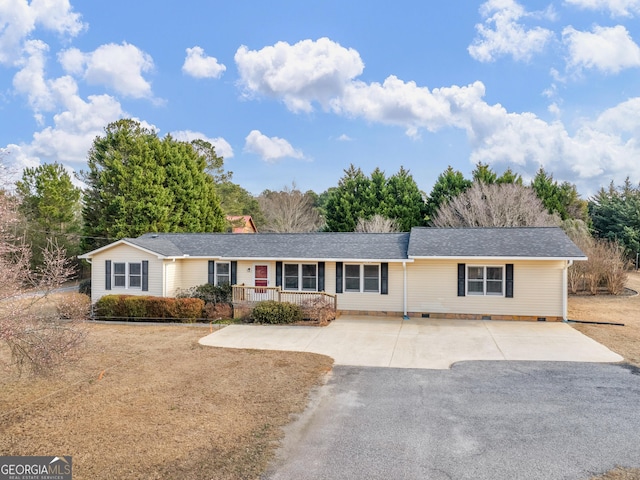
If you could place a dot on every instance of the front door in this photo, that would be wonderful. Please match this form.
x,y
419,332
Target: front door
x,y
261,279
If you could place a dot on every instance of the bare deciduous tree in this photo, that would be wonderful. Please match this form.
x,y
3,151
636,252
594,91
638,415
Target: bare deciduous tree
x,y
30,326
376,224
289,211
494,205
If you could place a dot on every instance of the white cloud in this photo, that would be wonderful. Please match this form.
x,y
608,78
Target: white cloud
x,y
30,79
73,130
502,34
598,150
608,49
270,149
198,65
223,148
405,104
120,67
18,19
617,8
344,138
300,74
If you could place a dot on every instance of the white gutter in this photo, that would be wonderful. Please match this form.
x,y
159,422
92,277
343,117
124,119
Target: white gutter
x,y
565,286
404,286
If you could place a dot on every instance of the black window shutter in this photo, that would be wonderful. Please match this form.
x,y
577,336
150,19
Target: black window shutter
x,y
461,279
107,275
278,274
145,275
321,276
338,277
212,278
384,278
234,272
509,285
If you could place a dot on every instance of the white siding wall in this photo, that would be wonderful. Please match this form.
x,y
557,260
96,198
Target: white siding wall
x,y
124,253
193,272
433,288
374,302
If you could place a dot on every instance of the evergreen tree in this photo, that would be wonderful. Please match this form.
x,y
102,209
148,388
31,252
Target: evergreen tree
x,y
562,199
138,183
449,184
405,202
359,197
50,205
615,213
483,173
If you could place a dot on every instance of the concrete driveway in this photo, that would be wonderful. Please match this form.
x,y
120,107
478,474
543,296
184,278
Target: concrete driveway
x,y
419,343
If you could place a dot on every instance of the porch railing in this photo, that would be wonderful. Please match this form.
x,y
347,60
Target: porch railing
x,y
249,294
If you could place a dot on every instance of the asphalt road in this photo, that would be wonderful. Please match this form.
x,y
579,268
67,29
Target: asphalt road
x,y
479,420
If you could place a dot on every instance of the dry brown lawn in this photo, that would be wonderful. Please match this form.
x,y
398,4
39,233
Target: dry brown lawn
x,y
149,402
606,308
623,340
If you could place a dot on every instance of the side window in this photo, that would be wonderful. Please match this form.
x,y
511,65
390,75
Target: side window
x,y
135,275
223,273
120,275
371,278
291,276
475,280
352,278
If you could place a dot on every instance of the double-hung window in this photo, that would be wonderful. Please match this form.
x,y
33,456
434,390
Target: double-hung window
x,y
127,275
223,273
361,278
485,280
301,276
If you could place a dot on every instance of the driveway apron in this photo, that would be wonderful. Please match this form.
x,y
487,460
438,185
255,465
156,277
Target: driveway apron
x,y
419,343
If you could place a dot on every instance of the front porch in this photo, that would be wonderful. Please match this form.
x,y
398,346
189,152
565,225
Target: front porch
x,y
244,298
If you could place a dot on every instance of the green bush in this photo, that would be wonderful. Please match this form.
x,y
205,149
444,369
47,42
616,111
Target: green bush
x,y
85,287
208,293
274,312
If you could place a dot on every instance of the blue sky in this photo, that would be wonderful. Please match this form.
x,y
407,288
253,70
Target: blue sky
x,y
292,91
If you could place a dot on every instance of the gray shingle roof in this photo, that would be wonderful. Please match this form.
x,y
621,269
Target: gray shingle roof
x,y
361,246
533,242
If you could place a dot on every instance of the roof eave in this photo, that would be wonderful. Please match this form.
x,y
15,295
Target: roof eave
x,y
89,255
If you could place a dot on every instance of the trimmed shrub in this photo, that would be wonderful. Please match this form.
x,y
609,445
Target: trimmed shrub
x,y
188,309
274,312
85,287
135,306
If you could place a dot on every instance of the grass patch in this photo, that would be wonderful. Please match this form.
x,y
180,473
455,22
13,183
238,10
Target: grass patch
x,y
150,402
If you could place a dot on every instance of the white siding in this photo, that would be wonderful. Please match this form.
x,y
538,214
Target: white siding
x,y
193,272
127,254
369,301
538,291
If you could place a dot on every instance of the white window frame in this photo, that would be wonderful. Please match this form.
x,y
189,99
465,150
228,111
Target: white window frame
x,y
216,274
361,278
127,275
299,277
484,292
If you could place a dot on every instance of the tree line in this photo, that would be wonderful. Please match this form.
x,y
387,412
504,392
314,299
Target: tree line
x,y
137,182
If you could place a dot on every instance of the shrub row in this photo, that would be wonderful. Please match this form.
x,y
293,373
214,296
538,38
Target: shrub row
x,y
134,307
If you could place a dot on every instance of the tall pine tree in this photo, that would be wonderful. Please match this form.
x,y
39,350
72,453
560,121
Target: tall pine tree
x,y
138,183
